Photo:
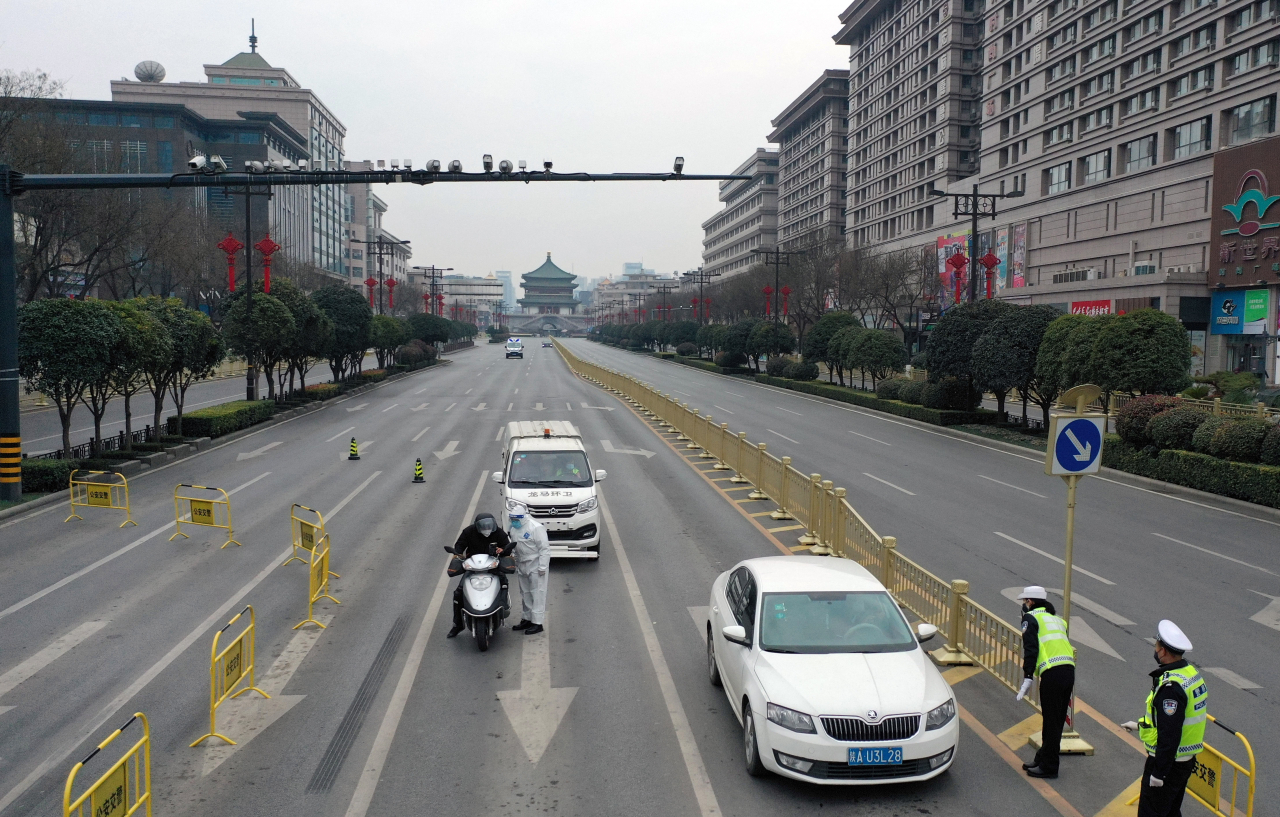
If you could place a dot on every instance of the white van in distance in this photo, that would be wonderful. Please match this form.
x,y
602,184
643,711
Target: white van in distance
x,y
545,467
515,348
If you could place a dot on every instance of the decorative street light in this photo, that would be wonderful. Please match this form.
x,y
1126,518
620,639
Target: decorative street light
x,y
383,249
975,205
230,245
371,283
391,293
268,248
701,278
778,257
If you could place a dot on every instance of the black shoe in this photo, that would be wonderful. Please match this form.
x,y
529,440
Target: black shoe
x,y
1030,765
533,629
524,622
1038,771
457,628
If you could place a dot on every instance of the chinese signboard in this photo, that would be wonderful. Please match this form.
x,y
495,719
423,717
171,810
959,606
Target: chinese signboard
x,y
1239,312
1091,307
1246,215
1018,263
1002,252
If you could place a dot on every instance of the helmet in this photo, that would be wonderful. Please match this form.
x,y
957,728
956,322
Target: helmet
x,y
516,510
485,524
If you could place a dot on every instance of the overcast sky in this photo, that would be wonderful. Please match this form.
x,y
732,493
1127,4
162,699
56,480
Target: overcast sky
x,y
594,86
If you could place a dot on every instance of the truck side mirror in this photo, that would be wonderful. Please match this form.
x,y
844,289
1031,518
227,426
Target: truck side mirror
x,y
496,476
601,474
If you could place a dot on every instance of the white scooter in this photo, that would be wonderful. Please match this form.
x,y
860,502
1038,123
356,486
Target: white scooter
x,y
484,606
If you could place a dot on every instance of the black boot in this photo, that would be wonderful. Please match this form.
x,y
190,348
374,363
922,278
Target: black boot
x,y
524,622
457,628
533,629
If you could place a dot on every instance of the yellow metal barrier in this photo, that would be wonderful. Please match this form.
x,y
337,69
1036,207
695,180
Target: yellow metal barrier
x,y
207,510
100,489
1205,783
124,789
235,663
318,580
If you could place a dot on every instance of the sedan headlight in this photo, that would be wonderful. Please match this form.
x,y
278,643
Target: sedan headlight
x,y
941,716
790,719
587,505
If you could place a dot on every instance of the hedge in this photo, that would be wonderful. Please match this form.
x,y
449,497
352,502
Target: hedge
x,y
711,367
937,417
322,391
374,375
46,475
224,418
1259,484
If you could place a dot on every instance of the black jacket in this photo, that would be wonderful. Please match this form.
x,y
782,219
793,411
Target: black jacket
x,y
470,542
1031,637
1168,725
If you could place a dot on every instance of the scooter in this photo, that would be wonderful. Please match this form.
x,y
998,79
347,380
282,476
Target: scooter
x,y
484,605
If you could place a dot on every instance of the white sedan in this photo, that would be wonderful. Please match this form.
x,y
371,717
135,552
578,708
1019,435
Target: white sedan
x,y
825,674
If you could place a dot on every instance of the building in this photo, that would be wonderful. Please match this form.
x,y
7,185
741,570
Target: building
x,y
630,291
247,88
748,218
479,298
914,90
508,287
362,216
812,152
548,290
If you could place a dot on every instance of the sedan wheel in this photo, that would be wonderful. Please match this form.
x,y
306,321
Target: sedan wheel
x,y
713,672
750,748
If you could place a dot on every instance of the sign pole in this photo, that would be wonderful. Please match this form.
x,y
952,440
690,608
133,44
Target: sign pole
x,y
1071,538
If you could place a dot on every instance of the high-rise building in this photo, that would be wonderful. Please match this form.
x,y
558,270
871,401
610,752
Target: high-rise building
x,y
748,218
810,134
508,287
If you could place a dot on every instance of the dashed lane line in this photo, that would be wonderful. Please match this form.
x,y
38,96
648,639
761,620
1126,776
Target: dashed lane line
x,y
890,484
451,405
783,436
418,436
1014,487
388,408
721,408
340,433
1053,558
865,437
789,411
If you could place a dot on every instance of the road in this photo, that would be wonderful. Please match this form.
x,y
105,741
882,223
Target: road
x,y
381,714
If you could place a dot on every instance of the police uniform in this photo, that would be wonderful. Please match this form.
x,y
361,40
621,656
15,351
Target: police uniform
x,y
1172,728
1047,654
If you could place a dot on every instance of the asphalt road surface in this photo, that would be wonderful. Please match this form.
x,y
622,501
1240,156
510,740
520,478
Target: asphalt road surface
x,y
380,714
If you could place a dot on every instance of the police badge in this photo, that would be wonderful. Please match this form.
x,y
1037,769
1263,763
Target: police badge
x,y
1169,706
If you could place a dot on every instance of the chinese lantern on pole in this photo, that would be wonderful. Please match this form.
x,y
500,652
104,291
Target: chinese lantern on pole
x,y
268,248
440,304
990,261
391,292
768,291
958,263
426,303
230,246
786,293
706,308
371,282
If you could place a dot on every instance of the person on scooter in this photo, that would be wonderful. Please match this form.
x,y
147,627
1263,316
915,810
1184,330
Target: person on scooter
x,y
483,536
533,558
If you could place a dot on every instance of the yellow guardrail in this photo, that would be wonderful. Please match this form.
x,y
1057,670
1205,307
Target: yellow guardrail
x,y
207,510
235,663
318,572
100,489
1205,783
122,790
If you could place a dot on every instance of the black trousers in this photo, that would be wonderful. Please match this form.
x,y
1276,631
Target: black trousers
x,y
1056,685
1165,801
457,598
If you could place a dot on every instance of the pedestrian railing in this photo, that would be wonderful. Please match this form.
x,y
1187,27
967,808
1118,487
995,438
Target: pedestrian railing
x,y
1207,778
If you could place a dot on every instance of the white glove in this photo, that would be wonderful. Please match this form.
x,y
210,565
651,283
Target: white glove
x,y
1154,782
1129,726
542,571
1024,689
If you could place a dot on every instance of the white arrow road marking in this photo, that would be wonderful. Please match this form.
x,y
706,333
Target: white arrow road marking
x,y
1053,558
602,408
257,452
608,446
1085,452
1269,616
1082,633
539,407
536,709
361,448
1237,681
887,482
788,439
4,709
478,408
357,408
420,408
1215,553
388,408
340,433
449,451
418,436
59,647
244,718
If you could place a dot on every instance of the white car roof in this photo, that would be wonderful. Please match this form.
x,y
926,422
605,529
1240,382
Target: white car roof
x,y
793,574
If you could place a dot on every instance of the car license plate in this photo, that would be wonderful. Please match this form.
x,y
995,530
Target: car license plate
x,y
878,756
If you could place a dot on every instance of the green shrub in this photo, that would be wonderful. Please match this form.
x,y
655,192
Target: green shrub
x,y
730,359
224,418
95,465
1242,397
410,354
911,392
933,396
373,375
1202,439
1174,428
1132,417
1240,440
920,361
802,370
665,355
1197,392
46,475
890,388
322,391
777,366
959,395
1270,452
866,400
1259,484
687,349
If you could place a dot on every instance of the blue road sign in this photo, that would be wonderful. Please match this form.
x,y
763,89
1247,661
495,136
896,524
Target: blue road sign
x,y
1076,445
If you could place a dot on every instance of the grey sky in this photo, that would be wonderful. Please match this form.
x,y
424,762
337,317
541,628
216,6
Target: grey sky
x,y
591,85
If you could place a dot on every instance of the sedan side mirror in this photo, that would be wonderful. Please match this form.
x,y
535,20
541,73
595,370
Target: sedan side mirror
x,y
601,474
737,634
924,632
496,476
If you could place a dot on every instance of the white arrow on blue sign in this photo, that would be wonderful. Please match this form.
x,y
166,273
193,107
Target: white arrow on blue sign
x,y
1075,445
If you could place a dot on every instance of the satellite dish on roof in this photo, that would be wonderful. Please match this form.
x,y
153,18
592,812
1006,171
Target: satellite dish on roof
x,y
149,71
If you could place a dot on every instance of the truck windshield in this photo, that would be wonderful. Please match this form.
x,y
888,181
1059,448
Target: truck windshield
x,y
549,469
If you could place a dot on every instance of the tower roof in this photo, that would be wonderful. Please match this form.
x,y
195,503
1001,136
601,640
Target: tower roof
x,y
548,273
247,59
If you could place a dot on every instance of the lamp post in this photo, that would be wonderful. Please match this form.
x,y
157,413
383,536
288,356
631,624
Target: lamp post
x,y
975,205
664,289
434,273
700,277
383,249
778,256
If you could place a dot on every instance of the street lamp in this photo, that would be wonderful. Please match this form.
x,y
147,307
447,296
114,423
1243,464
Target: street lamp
x,y
975,205
778,256
435,273
700,277
384,248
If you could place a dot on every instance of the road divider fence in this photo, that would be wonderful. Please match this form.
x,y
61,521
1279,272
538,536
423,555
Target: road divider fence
x,y
206,507
99,489
1205,783
310,536
228,667
124,789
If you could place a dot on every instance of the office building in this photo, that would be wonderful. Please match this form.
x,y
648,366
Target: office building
x,y
748,217
812,153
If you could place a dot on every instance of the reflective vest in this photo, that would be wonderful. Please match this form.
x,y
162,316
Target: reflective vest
x,y
1197,715
1055,649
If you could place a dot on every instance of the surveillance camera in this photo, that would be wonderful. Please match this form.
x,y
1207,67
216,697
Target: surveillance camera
x,y
218,164
382,164
434,165
488,163
408,164
302,164
277,165
523,164
679,166
546,165
455,166
256,167
504,166
197,162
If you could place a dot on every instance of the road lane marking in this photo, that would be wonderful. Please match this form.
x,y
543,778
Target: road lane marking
x,y
865,437
1053,558
569,406
536,709
1215,553
1014,762
887,482
693,762
1014,487
1237,681
735,394
449,450
509,405
451,405
257,452
608,446
48,655
789,411
468,391
685,393
418,436
1015,737
517,391
1104,613
339,434
90,568
388,408
373,765
1268,616
357,408
419,407
420,391
498,436
722,408
783,436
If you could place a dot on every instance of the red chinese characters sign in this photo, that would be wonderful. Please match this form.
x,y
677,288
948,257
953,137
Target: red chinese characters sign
x,y
1091,307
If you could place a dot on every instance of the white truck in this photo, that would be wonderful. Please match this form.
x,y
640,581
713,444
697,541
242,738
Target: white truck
x,y
545,467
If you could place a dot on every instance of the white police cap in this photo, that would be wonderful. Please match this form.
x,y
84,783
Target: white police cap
x,y
1171,636
1033,591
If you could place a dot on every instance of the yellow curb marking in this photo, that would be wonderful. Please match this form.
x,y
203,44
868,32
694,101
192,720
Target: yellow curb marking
x,y
786,527
955,675
1015,737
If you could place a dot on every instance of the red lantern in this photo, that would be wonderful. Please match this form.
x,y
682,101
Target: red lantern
x,y
268,248
230,246
440,304
391,292
371,282
768,290
786,293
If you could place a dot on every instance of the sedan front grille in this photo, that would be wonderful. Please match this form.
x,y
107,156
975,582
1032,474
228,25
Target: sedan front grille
x,y
856,730
553,511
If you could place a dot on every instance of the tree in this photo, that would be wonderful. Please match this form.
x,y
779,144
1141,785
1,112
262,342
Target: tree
x,y
771,339
1053,347
145,344
1143,352
817,343
1077,355
878,352
352,321
314,331
840,347
429,328
386,335
198,349
261,331
682,332
64,348
1004,356
737,340
951,344
710,338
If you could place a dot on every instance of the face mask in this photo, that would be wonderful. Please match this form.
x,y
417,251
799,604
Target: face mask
x,y
1156,656
515,523
486,527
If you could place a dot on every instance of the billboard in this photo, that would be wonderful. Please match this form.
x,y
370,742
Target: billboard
x,y
1246,218
1239,312
1091,307
1002,252
1018,262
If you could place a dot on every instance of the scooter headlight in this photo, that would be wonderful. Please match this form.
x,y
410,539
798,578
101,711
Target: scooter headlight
x,y
481,582
587,505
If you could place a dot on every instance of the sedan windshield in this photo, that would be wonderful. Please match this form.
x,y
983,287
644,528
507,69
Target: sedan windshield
x,y
833,622
549,469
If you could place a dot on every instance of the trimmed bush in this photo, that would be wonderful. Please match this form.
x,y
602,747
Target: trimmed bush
x,y
777,365
1197,392
687,350
891,388
1202,439
959,395
1259,484
373,375
1174,428
1270,453
46,475
803,370
409,354
665,355
322,391
731,360
1132,417
707,365
1240,440
911,392
933,396
866,400
224,418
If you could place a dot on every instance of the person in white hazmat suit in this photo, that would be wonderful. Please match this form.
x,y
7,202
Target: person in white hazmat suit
x,y
533,558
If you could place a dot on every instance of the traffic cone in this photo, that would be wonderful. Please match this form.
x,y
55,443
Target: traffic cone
x,y
355,452
417,471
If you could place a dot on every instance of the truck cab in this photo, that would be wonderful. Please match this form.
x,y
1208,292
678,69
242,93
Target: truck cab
x,y
545,467
515,348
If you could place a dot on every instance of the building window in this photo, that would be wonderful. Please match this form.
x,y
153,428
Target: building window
x,y
1096,167
1148,100
1139,154
1062,37
133,157
218,80
1061,102
1059,178
1143,65
1097,119
1191,138
1250,58
131,121
103,119
1103,14
1200,38
163,122
1195,81
164,157
1055,8
245,81
1057,135
1100,50
1062,69
1100,84
1250,121
249,138
1147,25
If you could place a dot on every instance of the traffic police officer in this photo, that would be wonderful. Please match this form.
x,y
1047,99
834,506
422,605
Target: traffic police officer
x,y
1048,655
1172,725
